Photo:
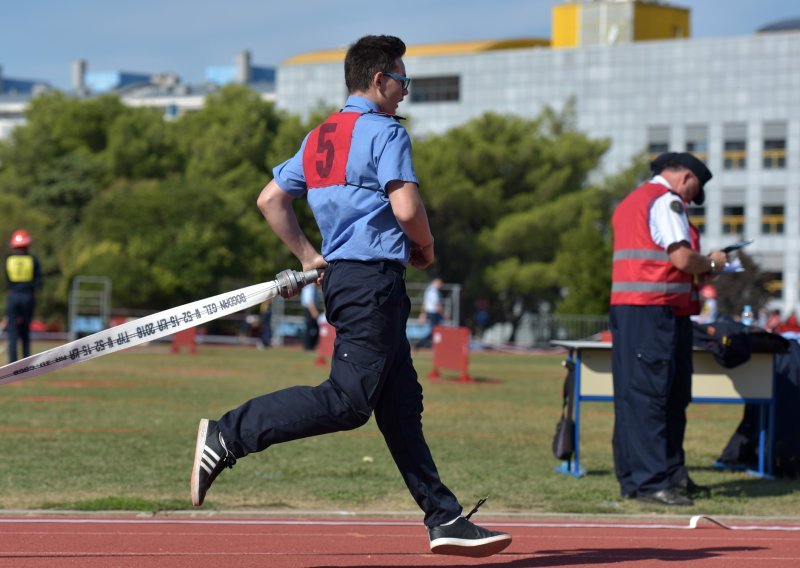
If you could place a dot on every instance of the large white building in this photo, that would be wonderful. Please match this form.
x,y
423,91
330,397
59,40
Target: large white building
x,y
733,101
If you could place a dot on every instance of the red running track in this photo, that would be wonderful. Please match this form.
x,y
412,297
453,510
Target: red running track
x,y
166,542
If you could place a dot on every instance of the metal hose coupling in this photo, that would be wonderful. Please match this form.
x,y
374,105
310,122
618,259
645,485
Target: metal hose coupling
x,y
290,281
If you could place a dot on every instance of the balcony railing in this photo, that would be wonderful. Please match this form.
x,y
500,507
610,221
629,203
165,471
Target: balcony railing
x,y
774,159
735,159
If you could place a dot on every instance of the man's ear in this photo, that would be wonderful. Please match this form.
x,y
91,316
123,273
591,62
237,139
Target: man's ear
x,y
377,79
686,177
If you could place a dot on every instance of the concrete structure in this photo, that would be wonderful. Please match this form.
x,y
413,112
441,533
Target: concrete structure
x,y
732,100
243,72
14,96
164,91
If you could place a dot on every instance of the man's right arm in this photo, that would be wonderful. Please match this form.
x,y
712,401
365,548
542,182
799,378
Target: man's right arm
x,y
276,206
692,262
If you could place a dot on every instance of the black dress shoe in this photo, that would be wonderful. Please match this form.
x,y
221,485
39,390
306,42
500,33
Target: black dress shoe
x,y
667,496
692,489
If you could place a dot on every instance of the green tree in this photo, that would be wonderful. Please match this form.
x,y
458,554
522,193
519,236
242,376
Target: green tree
x,y
56,126
501,192
164,243
235,126
142,145
583,260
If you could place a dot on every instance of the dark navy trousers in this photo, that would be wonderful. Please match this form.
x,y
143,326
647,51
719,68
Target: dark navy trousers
x,y
19,313
367,304
652,369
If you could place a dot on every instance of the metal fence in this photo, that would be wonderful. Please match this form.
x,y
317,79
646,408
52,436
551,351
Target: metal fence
x,y
538,330
288,324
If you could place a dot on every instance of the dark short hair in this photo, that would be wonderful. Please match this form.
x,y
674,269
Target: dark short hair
x,y
369,55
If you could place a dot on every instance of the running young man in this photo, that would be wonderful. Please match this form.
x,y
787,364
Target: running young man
x,y
357,173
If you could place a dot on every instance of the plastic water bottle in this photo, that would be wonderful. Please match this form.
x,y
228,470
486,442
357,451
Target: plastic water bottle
x,y
747,315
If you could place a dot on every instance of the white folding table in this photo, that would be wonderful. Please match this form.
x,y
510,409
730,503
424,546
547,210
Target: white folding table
x,y
752,382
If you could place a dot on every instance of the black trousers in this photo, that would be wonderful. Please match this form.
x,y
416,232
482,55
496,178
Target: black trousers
x,y
19,313
371,370
652,369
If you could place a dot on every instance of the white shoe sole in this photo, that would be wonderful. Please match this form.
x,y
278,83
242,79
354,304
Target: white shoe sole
x,y
471,548
202,434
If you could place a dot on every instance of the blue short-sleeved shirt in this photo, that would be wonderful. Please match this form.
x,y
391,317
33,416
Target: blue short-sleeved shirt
x,y
358,223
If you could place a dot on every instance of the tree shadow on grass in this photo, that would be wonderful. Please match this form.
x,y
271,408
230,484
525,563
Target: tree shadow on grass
x,y
754,487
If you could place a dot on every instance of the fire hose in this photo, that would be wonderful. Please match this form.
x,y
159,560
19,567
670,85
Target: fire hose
x,y
156,326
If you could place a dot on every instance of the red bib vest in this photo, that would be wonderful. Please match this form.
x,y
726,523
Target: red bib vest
x,y
327,149
642,273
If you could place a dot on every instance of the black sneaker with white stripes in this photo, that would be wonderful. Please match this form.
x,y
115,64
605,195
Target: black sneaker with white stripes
x,y
210,458
463,538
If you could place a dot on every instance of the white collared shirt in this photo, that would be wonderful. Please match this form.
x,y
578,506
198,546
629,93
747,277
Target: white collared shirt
x,y
668,226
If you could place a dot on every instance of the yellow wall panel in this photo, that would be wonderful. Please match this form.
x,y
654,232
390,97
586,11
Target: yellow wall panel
x,y
565,25
657,21
429,49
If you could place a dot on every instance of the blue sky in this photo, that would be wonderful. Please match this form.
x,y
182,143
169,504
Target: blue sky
x,y
39,39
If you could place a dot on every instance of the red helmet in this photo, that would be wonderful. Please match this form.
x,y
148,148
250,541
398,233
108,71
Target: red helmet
x,y
20,239
708,292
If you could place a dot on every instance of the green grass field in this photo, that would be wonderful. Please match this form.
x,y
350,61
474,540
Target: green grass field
x,y
118,432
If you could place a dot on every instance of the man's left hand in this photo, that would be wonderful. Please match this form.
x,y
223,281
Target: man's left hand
x,y
421,257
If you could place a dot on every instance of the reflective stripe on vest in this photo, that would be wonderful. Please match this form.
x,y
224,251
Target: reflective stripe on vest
x,y
641,254
659,287
19,268
642,273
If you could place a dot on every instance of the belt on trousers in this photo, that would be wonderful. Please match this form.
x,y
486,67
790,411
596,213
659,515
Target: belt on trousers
x,y
383,266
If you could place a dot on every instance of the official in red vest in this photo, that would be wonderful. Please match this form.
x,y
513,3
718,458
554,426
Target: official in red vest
x,y
656,274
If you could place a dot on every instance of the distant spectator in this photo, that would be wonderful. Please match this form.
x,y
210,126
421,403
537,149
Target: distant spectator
x,y
481,317
790,325
432,310
23,277
774,321
247,328
762,318
309,298
708,310
266,324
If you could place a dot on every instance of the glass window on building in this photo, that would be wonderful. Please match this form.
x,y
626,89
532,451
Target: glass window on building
x,y
657,140
697,215
697,141
734,155
435,89
774,152
733,220
772,219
